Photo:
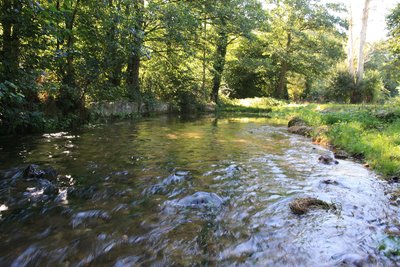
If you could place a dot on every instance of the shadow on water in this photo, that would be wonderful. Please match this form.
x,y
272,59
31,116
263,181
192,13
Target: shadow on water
x,y
179,191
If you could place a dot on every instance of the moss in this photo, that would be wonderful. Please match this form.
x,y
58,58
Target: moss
x,y
301,206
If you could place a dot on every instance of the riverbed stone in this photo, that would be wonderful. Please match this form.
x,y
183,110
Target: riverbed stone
x,y
301,206
34,171
201,200
327,160
330,182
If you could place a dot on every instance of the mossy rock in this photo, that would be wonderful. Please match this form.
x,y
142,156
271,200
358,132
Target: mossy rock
x,y
301,206
296,121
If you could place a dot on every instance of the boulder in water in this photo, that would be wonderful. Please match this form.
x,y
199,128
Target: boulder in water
x,y
84,217
34,171
301,206
330,182
201,200
327,160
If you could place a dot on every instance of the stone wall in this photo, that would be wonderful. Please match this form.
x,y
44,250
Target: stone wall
x,y
125,108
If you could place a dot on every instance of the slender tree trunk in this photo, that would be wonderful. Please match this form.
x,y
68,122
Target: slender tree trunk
x,y
350,56
363,37
204,59
134,60
58,44
71,97
69,78
133,80
281,90
113,60
219,62
11,38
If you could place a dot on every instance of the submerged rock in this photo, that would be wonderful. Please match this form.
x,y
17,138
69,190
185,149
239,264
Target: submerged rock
x,y
176,178
301,206
84,217
34,171
327,160
165,185
329,181
201,200
82,192
30,183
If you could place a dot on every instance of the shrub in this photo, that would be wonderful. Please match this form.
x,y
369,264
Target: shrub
x,y
372,88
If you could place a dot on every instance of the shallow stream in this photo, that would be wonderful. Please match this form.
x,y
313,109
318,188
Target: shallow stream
x,y
172,192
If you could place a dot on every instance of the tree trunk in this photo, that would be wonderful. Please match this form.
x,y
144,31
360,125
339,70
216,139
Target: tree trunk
x,y
281,90
219,63
133,70
204,59
363,37
350,56
71,97
113,63
58,44
133,79
11,38
69,77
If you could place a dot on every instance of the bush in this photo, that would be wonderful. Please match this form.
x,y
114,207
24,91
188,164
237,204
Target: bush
x,y
372,89
341,87
17,114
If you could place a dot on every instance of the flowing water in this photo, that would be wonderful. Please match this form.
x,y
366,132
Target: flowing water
x,y
169,192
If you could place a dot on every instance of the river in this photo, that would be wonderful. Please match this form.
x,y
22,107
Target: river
x,y
171,192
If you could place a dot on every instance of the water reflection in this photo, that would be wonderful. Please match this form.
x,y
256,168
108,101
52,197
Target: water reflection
x,y
209,191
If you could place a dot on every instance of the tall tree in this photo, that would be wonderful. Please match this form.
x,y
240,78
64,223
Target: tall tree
x,y
230,20
350,44
11,20
302,33
363,38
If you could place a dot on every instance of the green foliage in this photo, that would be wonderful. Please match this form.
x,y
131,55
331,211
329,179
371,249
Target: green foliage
x,y
372,88
300,45
384,63
393,24
16,113
341,87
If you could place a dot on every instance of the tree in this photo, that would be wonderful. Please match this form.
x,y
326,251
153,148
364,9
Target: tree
x,y
305,38
230,20
393,25
363,37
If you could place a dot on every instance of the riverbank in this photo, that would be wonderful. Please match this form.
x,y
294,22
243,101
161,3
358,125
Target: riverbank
x,y
369,133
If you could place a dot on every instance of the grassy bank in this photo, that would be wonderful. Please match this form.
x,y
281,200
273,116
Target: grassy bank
x,y
368,132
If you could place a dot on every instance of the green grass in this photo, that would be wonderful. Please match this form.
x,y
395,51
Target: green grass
x,y
360,130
